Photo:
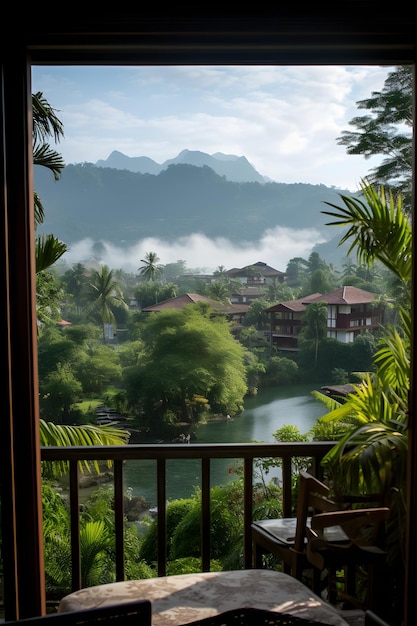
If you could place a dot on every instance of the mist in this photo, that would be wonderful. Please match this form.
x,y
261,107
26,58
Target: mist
x,y
201,254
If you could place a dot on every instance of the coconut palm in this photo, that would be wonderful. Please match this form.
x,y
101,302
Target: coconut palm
x,y
104,294
151,271
315,324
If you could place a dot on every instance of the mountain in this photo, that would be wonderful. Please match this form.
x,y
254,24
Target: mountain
x,y
119,206
234,168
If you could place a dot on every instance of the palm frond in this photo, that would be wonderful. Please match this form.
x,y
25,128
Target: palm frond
x,y
48,249
87,435
393,362
38,208
46,123
329,402
378,229
366,456
48,157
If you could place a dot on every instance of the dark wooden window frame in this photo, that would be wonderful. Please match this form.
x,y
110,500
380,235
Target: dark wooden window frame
x,y
355,33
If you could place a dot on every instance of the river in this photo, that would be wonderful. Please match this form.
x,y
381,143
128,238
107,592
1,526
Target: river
x,y
264,413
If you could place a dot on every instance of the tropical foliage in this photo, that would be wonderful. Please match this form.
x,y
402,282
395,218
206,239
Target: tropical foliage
x,y
386,129
191,362
103,293
48,250
371,456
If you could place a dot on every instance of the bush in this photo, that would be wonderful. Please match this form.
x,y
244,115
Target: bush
x,y
176,511
186,540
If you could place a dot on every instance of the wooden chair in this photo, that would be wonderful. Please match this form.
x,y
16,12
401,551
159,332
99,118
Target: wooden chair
x,y
323,538
135,613
286,538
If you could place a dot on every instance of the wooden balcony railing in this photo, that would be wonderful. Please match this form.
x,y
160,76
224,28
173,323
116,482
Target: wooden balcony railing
x,y
247,452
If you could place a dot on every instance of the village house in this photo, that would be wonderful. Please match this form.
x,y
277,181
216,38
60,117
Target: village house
x,y
233,312
350,311
253,279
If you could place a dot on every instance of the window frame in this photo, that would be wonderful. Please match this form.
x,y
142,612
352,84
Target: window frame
x,y
353,36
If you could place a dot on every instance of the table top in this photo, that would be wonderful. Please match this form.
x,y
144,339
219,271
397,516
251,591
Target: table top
x,y
178,600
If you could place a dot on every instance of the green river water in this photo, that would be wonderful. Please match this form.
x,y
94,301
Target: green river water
x,y
263,414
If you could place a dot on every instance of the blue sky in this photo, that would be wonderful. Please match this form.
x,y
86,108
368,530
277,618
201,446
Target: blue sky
x,y
284,120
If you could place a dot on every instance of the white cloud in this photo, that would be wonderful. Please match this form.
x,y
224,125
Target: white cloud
x,y
285,120
276,247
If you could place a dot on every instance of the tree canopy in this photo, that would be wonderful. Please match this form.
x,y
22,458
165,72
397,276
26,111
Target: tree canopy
x,y
386,130
191,362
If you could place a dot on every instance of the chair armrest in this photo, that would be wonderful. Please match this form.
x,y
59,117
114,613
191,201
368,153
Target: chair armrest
x,y
362,526
339,518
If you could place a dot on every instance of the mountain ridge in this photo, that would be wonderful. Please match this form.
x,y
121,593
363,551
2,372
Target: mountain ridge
x,y
234,168
122,207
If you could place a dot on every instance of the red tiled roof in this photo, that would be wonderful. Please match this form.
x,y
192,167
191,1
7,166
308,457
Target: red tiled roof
x,y
265,270
192,298
345,295
294,305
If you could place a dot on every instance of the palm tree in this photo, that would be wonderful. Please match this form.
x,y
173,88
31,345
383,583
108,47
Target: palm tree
x,y
315,320
219,291
104,294
151,271
76,280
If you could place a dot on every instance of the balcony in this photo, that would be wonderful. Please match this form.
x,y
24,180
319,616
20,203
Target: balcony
x,y
205,453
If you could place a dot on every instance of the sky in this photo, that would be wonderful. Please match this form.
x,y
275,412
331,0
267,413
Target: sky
x,y
284,120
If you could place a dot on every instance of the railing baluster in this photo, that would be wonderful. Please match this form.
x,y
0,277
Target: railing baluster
x,y
205,515
75,526
161,504
286,487
119,519
247,511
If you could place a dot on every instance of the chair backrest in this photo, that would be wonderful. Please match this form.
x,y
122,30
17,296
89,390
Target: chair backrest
x,y
313,497
137,613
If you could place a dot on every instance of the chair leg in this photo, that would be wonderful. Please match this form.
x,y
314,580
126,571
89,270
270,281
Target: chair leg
x,y
350,580
257,556
316,581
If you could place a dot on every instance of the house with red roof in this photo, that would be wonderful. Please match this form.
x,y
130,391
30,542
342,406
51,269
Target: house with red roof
x,y
253,280
234,312
350,311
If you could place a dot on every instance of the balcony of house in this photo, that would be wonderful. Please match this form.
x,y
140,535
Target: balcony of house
x,y
357,321
284,334
255,282
284,340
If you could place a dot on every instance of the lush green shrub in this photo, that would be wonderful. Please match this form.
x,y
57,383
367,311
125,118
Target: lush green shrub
x,y
186,540
175,512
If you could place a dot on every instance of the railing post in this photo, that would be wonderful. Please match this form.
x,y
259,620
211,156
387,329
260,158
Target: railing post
x,y
247,512
75,526
286,487
161,500
205,515
119,519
